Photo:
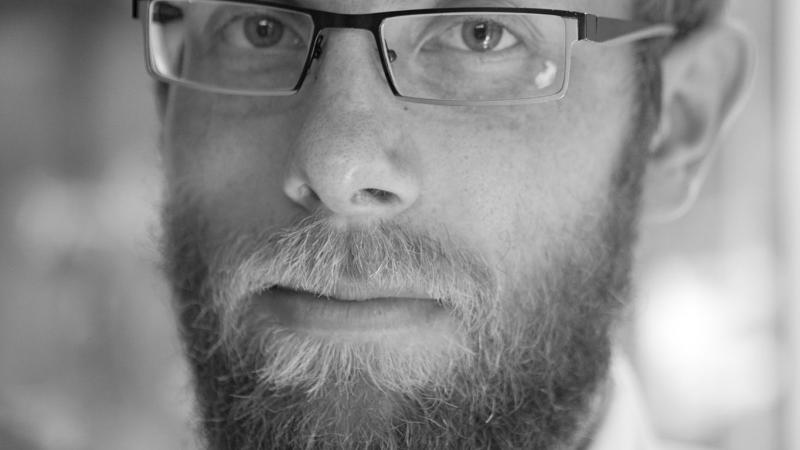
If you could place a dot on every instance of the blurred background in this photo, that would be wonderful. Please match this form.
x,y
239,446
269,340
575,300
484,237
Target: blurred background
x,y
89,357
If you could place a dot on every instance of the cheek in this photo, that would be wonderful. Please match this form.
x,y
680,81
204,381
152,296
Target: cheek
x,y
227,156
516,180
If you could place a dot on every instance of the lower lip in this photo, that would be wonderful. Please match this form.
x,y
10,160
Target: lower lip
x,y
307,312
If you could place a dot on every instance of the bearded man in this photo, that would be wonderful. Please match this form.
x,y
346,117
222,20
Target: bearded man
x,y
410,224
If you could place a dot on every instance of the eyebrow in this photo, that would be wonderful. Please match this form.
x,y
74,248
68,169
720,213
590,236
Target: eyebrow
x,y
397,4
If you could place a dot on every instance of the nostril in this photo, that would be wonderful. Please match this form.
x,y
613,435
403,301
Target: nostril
x,y
312,197
373,195
379,194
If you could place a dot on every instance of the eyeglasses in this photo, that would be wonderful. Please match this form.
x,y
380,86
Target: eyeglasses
x,y
451,56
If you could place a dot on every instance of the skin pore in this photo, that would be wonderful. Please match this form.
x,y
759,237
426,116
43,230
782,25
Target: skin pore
x,y
518,220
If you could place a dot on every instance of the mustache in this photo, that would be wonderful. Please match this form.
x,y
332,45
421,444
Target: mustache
x,y
314,254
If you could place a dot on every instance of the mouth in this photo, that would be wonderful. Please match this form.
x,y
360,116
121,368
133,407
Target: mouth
x,y
356,292
353,310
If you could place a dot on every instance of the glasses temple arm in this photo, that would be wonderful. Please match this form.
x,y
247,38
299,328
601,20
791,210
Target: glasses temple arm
x,y
613,31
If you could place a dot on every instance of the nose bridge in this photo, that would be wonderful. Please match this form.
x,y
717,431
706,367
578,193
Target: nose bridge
x,y
359,21
349,58
345,158
342,136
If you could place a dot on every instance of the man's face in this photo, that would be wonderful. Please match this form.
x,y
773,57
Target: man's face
x,y
352,267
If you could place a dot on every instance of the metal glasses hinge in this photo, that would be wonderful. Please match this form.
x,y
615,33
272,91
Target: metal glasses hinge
x,y
589,28
318,47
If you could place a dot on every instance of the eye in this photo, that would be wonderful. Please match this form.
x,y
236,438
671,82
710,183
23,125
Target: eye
x,y
261,31
483,35
478,35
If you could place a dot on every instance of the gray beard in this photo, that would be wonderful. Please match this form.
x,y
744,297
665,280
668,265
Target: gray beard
x,y
536,368
539,351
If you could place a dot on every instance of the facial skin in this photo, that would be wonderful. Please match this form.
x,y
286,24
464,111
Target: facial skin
x,y
511,227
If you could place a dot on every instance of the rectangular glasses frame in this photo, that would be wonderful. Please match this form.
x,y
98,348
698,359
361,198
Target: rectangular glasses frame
x,y
590,27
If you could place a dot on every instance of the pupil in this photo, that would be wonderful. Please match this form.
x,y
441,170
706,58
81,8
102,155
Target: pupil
x,y
265,28
263,31
481,32
482,36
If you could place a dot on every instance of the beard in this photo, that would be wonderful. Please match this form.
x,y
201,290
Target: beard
x,y
528,372
533,361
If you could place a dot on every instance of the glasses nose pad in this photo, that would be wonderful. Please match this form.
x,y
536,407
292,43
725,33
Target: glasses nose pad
x,y
318,47
391,54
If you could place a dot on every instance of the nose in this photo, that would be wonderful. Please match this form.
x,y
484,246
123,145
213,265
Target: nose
x,y
349,157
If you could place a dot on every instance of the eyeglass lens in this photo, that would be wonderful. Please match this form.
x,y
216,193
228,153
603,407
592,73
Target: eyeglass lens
x,y
237,47
486,56
461,56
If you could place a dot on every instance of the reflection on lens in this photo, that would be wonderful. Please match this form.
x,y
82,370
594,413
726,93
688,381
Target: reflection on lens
x,y
547,76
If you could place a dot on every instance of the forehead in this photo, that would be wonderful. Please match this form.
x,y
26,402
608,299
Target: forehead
x,y
618,8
